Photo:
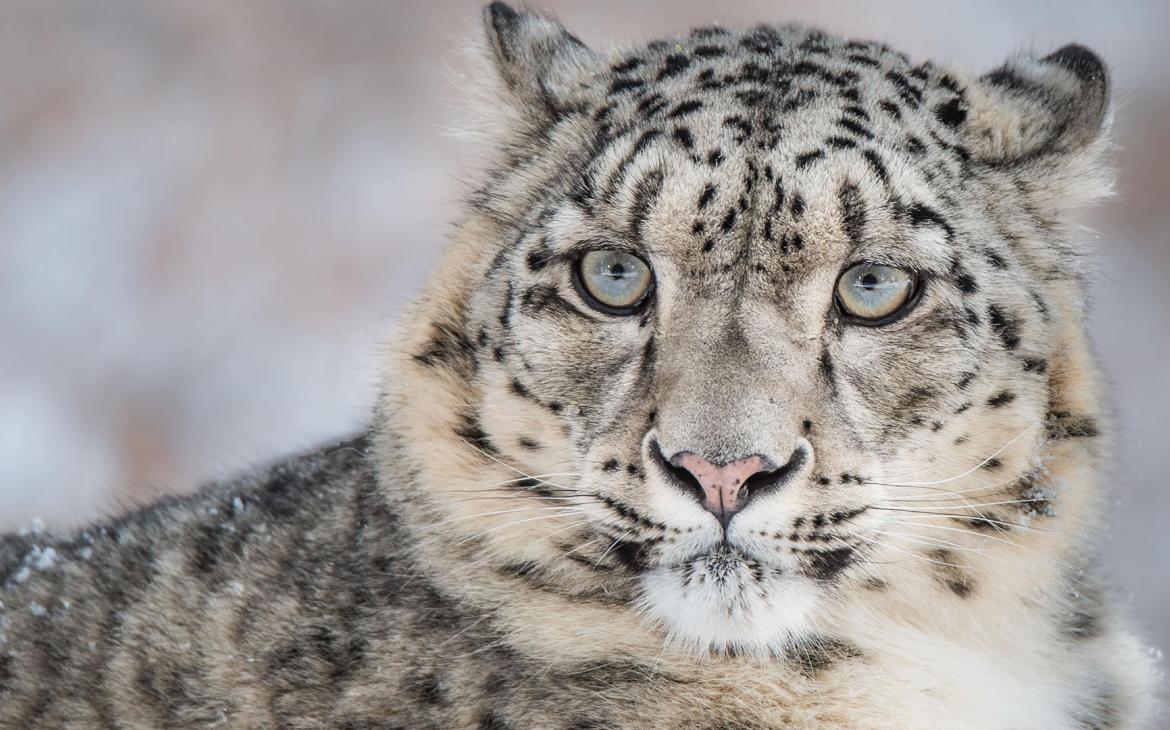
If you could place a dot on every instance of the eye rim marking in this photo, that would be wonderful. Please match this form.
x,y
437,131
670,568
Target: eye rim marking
x,y
918,284
593,302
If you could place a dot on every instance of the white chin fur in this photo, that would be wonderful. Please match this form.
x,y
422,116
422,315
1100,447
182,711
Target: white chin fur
x,y
725,608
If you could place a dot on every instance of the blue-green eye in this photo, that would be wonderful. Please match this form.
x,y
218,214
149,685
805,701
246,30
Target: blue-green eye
x,y
614,282
872,293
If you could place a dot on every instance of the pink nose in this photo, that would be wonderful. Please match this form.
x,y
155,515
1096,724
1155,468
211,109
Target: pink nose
x,y
722,483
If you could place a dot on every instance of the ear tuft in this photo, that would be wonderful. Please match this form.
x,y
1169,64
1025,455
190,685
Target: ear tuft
x,y
540,63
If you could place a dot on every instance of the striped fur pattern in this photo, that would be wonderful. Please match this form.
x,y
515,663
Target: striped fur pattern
x,y
506,548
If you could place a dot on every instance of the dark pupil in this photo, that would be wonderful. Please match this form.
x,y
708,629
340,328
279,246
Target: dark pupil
x,y
869,281
617,271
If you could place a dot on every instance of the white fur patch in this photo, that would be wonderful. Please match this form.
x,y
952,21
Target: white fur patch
x,y
723,606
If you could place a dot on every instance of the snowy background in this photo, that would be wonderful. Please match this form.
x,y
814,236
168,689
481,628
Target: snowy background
x,y
212,211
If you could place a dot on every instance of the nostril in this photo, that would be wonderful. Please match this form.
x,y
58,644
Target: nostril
x,y
683,475
673,470
768,481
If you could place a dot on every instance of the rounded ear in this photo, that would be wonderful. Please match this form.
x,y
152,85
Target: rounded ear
x,y
539,62
1028,108
1045,123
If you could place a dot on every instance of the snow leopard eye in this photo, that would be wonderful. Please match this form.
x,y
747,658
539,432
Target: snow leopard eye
x,y
614,282
872,294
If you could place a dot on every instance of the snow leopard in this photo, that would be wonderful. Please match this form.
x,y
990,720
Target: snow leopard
x,y
753,391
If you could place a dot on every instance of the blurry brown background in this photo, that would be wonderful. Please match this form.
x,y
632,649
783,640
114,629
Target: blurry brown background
x,y
211,212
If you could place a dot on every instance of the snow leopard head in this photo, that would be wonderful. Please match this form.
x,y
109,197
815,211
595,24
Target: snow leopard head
x,y
745,321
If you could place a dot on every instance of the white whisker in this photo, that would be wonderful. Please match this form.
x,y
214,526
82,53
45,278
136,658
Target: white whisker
x,y
958,505
559,530
462,631
949,528
513,524
581,546
932,541
462,518
506,465
540,497
916,556
989,520
973,469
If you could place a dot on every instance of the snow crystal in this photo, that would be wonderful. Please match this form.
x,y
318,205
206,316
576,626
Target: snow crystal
x,y
37,609
35,527
237,505
85,553
212,511
42,558
22,574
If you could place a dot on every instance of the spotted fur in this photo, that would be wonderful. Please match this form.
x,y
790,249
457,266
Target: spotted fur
x,y
509,548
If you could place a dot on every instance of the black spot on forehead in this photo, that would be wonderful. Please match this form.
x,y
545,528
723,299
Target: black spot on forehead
x,y
708,51
624,84
651,105
864,60
855,127
684,108
909,93
876,164
628,65
728,221
922,214
806,159
706,196
852,212
673,66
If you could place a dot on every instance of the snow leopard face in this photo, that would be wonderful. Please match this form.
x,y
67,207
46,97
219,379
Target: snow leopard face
x,y
759,318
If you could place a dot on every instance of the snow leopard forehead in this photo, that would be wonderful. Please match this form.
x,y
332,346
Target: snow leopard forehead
x,y
790,96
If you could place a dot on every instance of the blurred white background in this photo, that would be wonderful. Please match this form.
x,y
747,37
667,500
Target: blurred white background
x,y
211,212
